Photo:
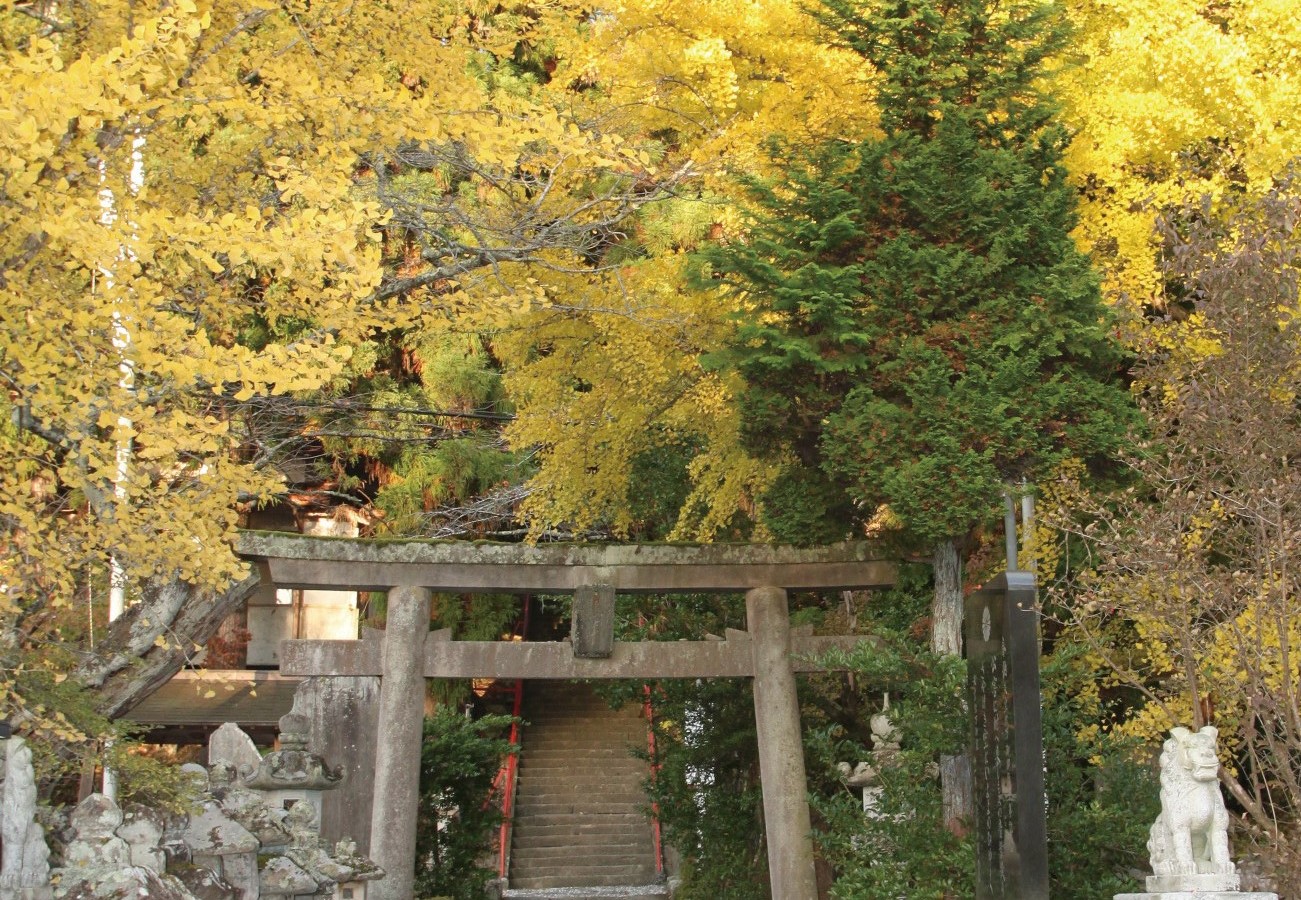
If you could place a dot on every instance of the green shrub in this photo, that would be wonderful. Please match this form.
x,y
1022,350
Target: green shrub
x,y
458,761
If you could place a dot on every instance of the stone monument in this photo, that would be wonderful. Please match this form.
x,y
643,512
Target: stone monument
x,y
1001,631
229,744
1189,841
25,872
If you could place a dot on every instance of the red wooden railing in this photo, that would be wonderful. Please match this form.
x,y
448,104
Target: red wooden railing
x,y
505,780
655,770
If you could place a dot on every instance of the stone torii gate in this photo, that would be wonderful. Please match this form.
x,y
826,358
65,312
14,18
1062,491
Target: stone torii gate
x,y
411,571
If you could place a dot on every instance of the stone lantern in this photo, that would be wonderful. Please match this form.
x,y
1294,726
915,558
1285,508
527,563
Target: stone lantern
x,y
865,776
292,774
247,807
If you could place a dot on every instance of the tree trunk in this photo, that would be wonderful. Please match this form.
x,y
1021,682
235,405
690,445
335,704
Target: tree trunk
x,y
946,609
154,638
946,639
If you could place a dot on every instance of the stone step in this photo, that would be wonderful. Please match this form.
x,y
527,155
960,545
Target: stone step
x,y
618,771
531,861
630,892
565,784
561,878
585,791
565,781
603,840
585,772
612,784
561,800
583,753
533,824
570,836
607,791
573,835
595,850
585,769
580,761
553,814
595,725
602,791
541,706
557,795
557,871
582,789
561,813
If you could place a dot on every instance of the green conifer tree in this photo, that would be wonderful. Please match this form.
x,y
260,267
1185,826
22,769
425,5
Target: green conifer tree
x,y
919,328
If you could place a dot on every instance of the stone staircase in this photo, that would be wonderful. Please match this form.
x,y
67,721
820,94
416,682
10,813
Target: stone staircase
x,y
580,824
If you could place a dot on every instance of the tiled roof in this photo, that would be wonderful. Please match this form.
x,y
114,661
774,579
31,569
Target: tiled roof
x,y
211,697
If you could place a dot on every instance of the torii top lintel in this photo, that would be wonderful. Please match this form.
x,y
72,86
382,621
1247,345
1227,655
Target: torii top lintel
x,y
301,561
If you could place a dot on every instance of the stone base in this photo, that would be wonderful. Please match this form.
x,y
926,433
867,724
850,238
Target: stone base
x,y
1196,887
1200,895
1164,884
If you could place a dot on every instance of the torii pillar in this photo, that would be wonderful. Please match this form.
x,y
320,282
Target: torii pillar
x,y
397,750
781,751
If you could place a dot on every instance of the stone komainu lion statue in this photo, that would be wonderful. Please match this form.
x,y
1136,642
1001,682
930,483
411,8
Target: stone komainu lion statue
x,y
1191,835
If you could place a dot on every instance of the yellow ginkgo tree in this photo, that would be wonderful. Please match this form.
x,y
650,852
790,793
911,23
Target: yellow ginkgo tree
x,y
1170,98
609,374
209,205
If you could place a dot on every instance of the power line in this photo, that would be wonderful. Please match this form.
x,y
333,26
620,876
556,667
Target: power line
x,y
412,411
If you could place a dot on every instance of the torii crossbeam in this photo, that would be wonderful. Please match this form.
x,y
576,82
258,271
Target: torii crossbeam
x,y
730,657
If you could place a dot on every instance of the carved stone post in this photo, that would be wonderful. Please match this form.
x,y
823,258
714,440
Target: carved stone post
x,y
781,751
397,753
344,714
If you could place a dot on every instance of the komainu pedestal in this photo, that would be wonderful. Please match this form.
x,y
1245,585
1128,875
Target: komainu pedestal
x,y
1189,841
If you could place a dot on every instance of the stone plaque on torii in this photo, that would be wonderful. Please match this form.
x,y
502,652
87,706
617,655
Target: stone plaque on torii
x,y
407,653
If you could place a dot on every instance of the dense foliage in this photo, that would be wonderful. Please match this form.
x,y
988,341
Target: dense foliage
x,y
902,848
459,759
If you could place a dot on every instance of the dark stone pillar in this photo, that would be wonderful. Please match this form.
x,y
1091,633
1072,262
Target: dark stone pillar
x,y
397,752
781,751
1002,635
